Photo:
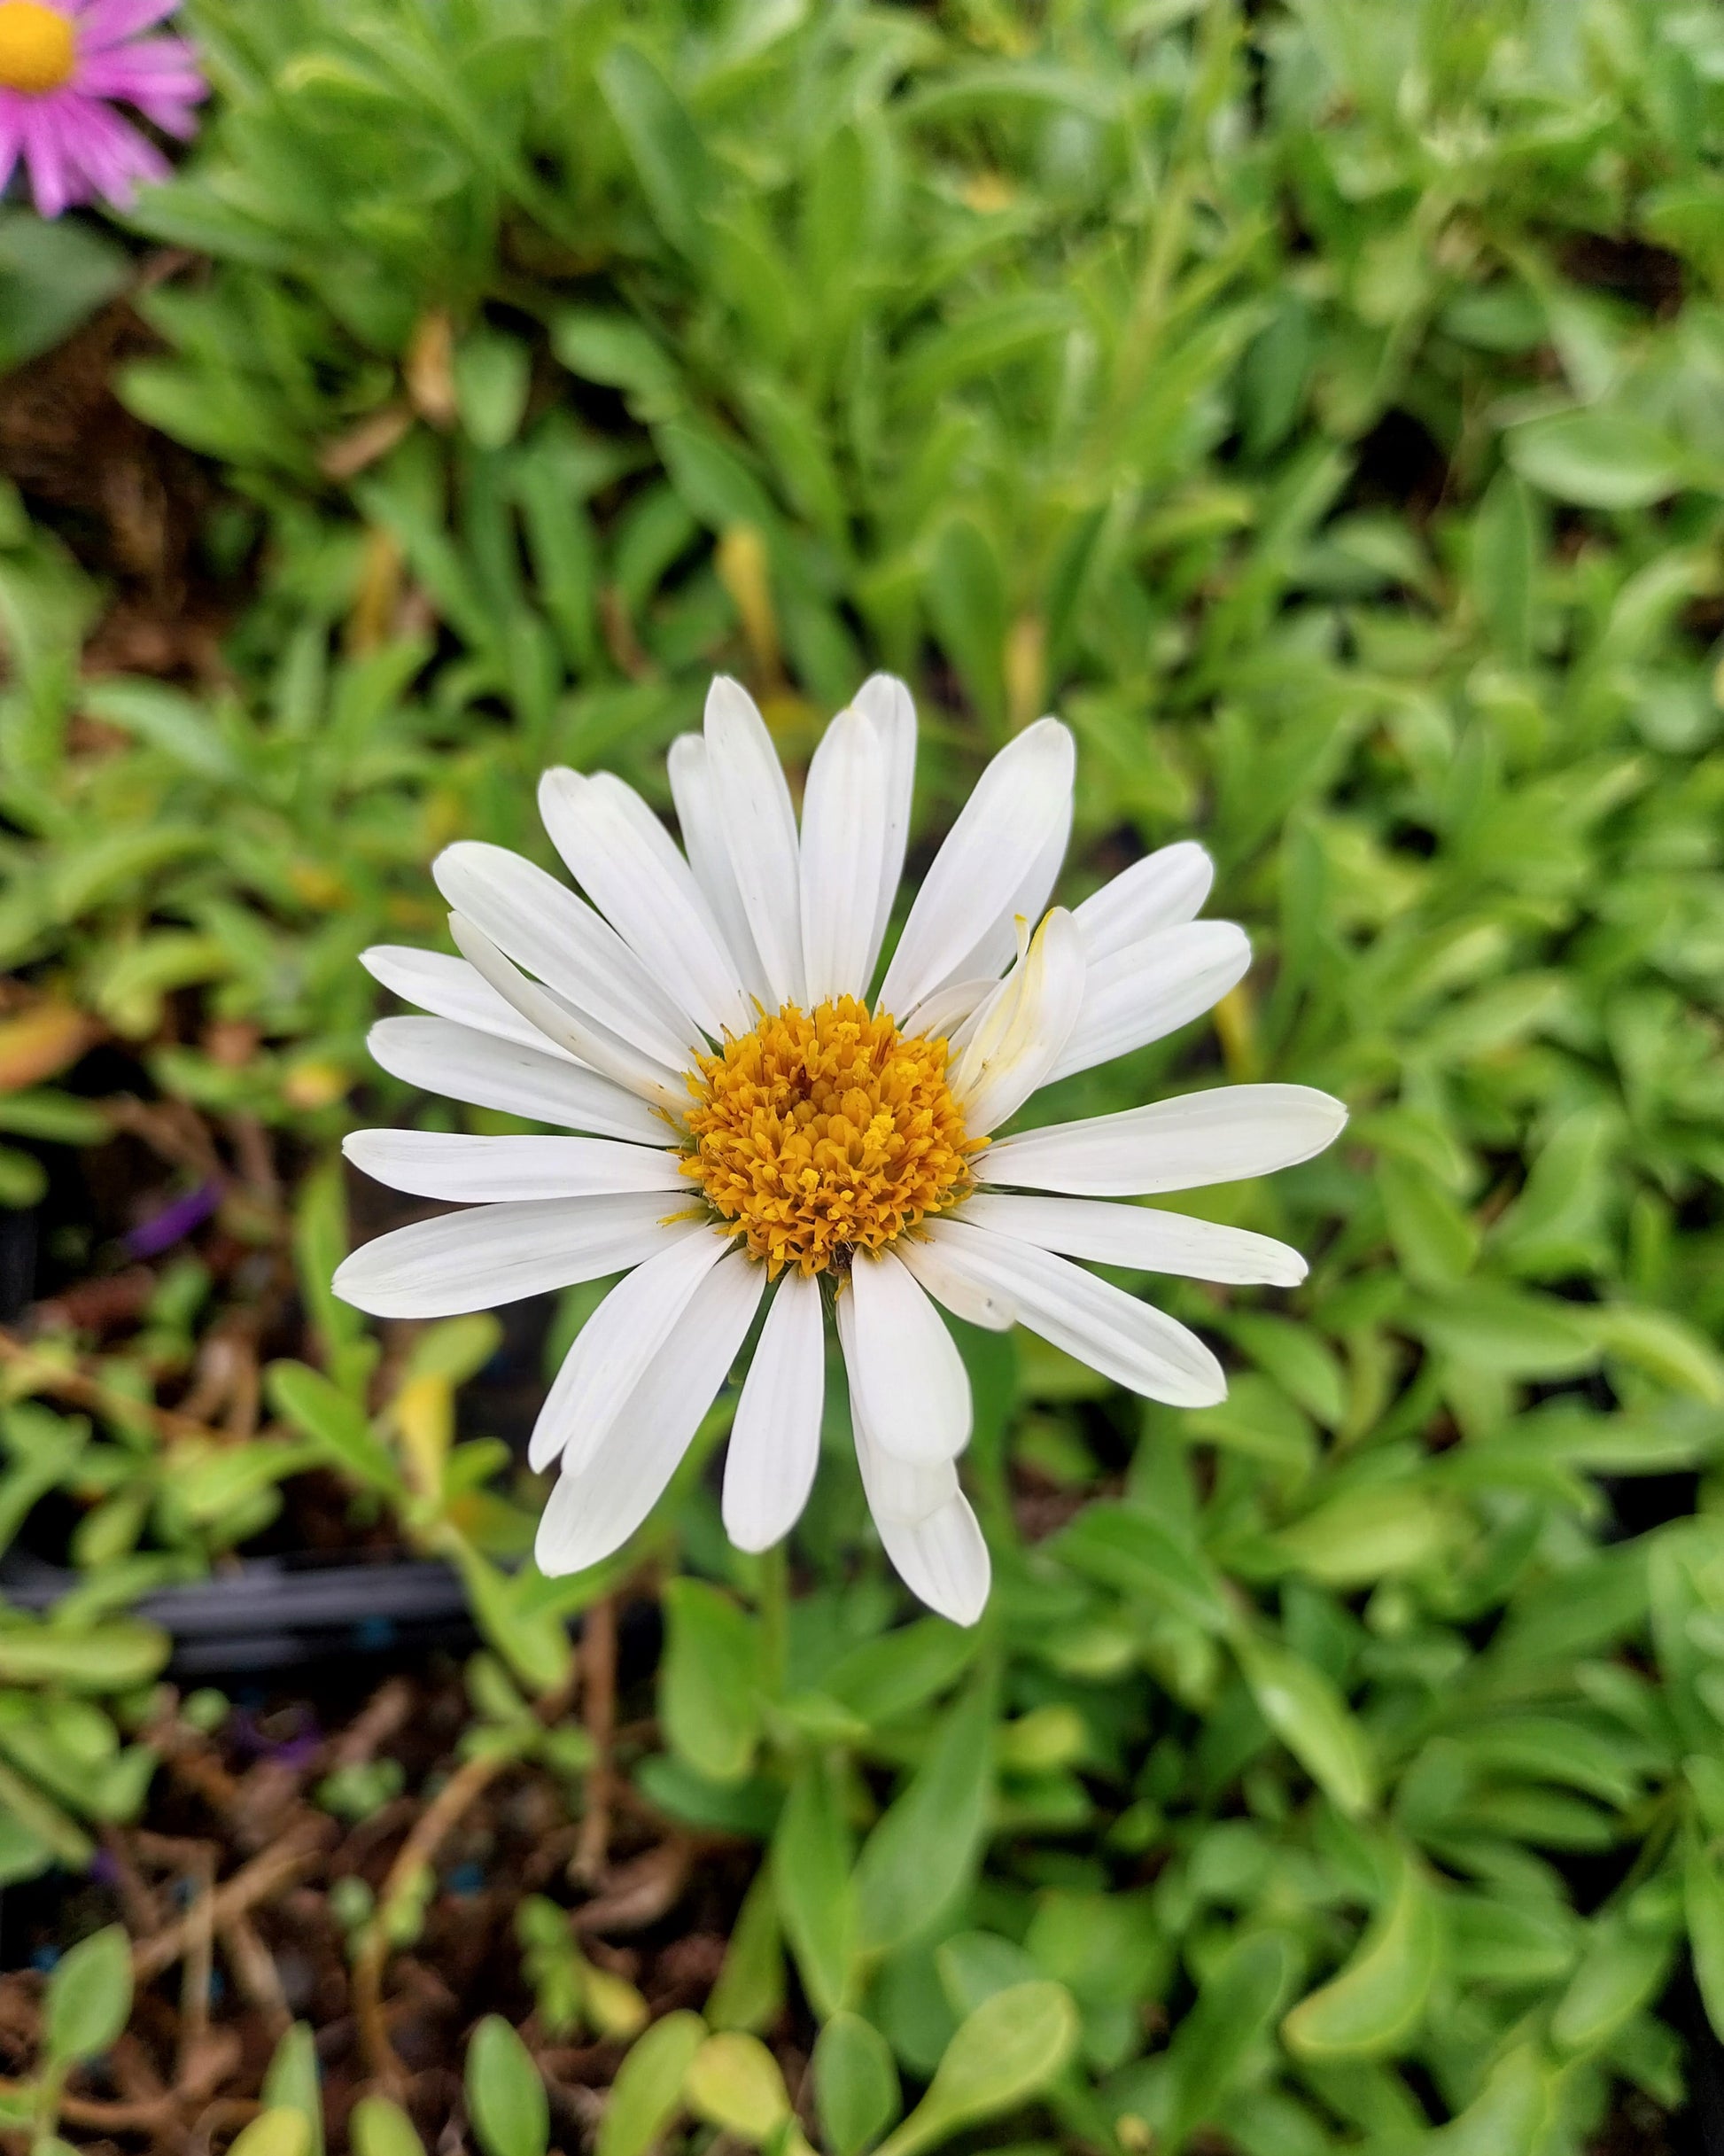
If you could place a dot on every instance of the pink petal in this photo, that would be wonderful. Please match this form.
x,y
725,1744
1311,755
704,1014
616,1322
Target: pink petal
x,y
105,22
10,137
116,156
54,179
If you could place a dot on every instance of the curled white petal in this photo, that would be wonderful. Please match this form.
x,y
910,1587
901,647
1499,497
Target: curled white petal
x,y
1020,1033
1222,1136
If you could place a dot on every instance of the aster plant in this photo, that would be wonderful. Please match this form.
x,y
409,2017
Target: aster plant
x,y
64,67
757,1129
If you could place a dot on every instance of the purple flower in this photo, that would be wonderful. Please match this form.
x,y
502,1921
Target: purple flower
x,y
63,66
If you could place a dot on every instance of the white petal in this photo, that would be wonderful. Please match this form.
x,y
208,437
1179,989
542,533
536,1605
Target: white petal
x,y
887,703
938,1550
940,1016
963,1296
905,1363
845,814
900,1489
1020,805
1151,988
1023,1030
1135,1235
583,1038
1222,1136
614,1348
1128,1341
449,988
775,1439
1162,891
498,1253
633,872
759,825
543,926
593,1513
942,1559
432,1164
486,1072
709,857
996,950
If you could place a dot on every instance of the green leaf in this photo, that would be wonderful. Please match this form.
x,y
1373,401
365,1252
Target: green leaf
x,y
1601,460
734,2083
277,2133
1702,1905
1433,1239
1368,1534
708,1694
493,375
1622,1971
1310,1716
923,1851
1235,2006
1374,2003
669,156
378,2128
647,2092
90,1998
52,277
108,1658
294,2082
750,1992
506,2097
1009,2049
856,2084
1127,1547
815,1894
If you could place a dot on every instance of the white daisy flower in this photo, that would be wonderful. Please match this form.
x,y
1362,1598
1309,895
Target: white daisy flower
x,y
755,1131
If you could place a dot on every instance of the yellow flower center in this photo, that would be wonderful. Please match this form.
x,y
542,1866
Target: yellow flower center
x,y
822,1133
38,50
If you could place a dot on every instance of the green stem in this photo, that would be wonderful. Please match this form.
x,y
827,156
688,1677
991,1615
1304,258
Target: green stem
x,y
771,1606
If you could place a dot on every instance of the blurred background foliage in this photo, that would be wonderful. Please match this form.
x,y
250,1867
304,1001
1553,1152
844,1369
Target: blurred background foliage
x,y
1320,405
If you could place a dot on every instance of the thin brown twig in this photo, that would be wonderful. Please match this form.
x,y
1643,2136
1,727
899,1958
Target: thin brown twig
x,y
254,1882
598,1675
199,1964
256,1975
461,1789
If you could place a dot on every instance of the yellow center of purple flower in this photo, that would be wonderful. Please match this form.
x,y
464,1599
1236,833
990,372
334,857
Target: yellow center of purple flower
x,y
38,50
825,1133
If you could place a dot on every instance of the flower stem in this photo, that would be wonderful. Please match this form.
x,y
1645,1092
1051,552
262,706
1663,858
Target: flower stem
x,y
772,1601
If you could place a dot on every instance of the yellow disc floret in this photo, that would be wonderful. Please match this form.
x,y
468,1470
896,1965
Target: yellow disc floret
x,y
38,48
825,1133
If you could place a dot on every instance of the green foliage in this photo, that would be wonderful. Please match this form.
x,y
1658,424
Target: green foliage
x,y
1319,407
